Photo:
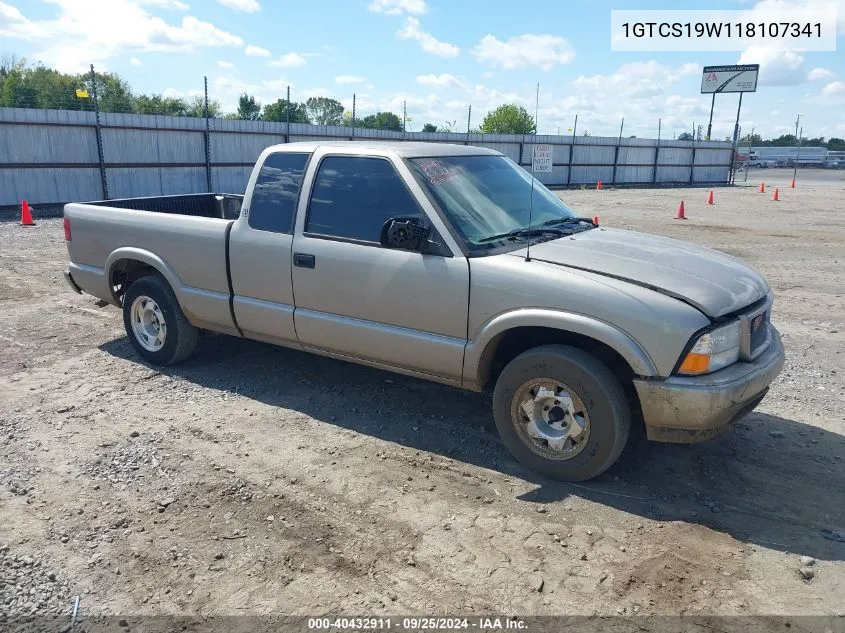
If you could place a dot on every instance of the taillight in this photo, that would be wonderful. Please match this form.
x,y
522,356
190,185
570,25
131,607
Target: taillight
x,y
67,230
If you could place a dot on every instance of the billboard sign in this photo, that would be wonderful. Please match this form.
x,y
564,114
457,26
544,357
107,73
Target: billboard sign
x,y
742,78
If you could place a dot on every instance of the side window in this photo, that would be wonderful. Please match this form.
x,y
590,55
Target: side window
x,y
273,204
353,197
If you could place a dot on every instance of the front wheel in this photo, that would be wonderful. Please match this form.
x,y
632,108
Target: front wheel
x,y
561,412
155,324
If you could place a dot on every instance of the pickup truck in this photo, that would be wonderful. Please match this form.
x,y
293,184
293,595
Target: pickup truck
x,y
450,263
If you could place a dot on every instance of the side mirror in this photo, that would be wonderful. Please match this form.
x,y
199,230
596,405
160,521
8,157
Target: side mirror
x,y
404,233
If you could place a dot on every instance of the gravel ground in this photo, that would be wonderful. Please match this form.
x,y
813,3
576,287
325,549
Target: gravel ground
x,y
255,480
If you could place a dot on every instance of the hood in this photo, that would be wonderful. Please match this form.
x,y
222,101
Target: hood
x,y
715,283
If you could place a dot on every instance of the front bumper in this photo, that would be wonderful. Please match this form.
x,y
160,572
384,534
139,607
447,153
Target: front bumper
x,y
694,408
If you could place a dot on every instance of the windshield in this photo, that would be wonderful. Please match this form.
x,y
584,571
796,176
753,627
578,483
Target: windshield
x,y
488,196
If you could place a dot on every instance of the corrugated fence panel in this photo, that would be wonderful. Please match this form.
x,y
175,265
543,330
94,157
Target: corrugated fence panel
x,y
40,185
229,179
47,144
174,147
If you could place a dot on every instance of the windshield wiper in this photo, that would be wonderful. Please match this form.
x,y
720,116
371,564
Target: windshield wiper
x,y
570,220
533,231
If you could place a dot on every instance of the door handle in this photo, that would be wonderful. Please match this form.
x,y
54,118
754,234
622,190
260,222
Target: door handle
x,y
303,260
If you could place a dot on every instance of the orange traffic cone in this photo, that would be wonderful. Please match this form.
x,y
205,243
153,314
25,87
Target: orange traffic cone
x,y
596,220
762,187
26,215
776,197
793,184
681,215
710,198
598,186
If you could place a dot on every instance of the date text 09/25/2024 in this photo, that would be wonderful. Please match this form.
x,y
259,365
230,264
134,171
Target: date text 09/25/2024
x,y
416,623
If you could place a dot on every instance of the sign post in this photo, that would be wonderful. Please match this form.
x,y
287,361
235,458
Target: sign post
x,y
738,78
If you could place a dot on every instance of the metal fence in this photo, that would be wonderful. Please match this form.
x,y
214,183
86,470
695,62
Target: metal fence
x,y
58,156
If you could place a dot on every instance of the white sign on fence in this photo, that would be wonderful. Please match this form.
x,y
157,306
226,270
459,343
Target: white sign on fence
x,y
542,159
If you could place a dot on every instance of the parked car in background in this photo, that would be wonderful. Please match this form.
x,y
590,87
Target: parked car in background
x,y
452,264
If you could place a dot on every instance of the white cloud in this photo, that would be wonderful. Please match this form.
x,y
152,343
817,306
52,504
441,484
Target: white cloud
x,y
398,7
82,33
350,79
222,64
413,31
257,51
777,67
444,80
819,73
248,6
134,61
521,51
290,60
834,88
227,88
167,4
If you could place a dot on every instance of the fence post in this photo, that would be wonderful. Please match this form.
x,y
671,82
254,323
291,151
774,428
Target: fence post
x,y
692,165
287,118
656,154
99,133
469,122
616,153
207,139
571,153
353,116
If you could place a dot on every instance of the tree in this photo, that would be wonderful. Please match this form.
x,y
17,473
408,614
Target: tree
x,y
157,104
195,106
382,121
508,119
277,112
836,144
248,108
113,93
686,136
324,111
429,127
754,140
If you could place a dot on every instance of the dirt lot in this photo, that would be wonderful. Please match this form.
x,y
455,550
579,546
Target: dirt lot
x,y
256,480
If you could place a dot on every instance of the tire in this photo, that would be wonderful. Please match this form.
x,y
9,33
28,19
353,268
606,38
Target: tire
x,y
153,298
593,388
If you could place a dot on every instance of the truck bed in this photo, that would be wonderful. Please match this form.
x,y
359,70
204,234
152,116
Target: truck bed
x,y
226,206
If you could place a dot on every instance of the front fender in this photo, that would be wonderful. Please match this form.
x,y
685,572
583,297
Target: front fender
x,y
475,357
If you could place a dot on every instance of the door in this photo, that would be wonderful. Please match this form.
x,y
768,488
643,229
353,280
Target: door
x,y
260,250
356,298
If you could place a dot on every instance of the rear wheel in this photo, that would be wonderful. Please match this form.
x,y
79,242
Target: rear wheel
x,y
155,324
561,412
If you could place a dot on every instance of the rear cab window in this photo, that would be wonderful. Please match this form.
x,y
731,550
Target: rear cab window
x,y
276,192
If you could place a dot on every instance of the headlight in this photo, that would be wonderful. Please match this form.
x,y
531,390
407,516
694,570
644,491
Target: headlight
x,y
712,351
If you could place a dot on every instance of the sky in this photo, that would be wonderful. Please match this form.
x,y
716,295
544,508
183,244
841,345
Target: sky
x,y
435,57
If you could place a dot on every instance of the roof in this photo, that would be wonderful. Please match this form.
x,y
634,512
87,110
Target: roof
x,y
406,149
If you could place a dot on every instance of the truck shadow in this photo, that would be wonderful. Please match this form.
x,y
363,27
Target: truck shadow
x,y
770,481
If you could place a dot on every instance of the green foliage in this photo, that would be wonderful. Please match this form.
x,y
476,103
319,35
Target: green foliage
x,y
278,111
381,121
157,104
508,119
836,144
324,111
429,127
686,136
248,108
